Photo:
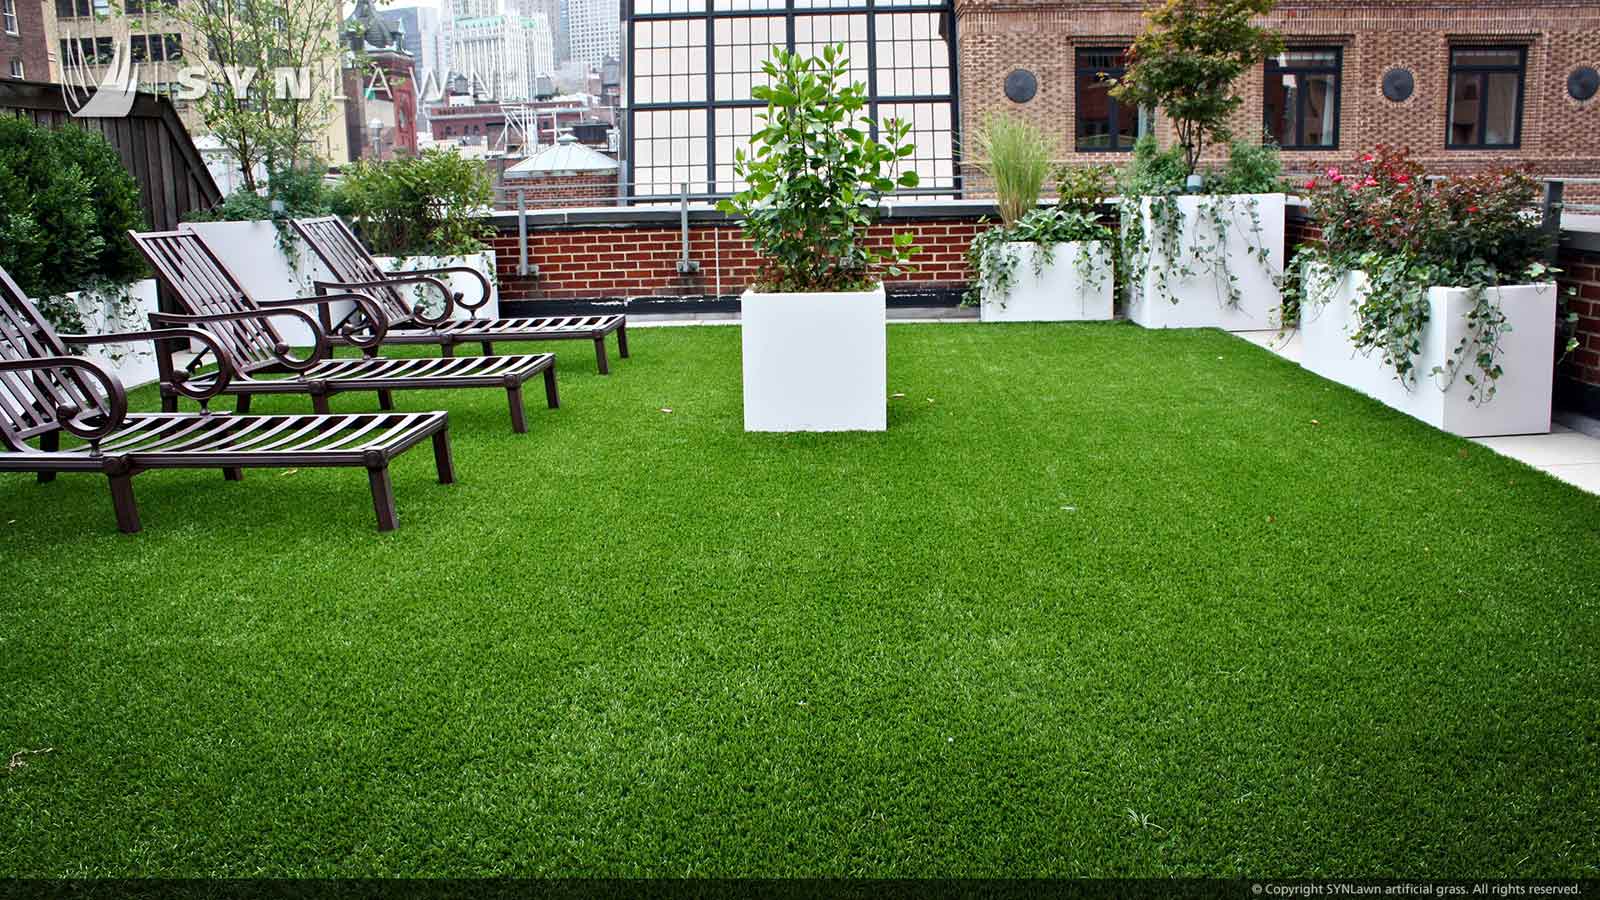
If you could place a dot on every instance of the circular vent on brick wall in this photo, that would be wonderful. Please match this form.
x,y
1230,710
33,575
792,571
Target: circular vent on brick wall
x,y
1021,86
1583,83
1398,85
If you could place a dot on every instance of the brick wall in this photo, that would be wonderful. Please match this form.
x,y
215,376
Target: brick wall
x,y
1580,285
1559,135
607,262
560,191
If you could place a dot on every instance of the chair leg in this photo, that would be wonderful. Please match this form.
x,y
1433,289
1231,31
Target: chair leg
x,y
49,442
488,348
123,504
551,398
447,350
319,403
442,458
233,474
622,340
382,496
243,405
519,418
600,355
386,400
169,403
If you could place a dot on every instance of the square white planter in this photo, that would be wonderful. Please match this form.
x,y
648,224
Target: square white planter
x,y
466,285
133,363
270,266
1196,280
1521,403
1055,292
815,362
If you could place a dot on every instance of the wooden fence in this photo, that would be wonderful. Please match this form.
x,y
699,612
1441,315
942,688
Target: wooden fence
x,y
152,141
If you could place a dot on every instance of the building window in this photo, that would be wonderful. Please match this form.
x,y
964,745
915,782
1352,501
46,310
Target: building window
x,y
1486,96
8,16
1104,125
16,69
693,64
1302,98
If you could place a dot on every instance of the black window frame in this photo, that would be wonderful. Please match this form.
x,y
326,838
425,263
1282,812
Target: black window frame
x,y
1078,71
1301,96
1521,70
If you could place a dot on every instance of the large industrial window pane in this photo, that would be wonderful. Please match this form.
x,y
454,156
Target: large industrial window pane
x,y
913,57
933,137
1486,96
734,127
741,46
814,32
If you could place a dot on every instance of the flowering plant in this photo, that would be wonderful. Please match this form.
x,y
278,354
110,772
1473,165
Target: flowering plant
x,y
1383,216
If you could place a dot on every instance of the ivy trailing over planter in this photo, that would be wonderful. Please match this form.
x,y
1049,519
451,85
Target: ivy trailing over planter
x,y
1384,217
1073,220
1155,179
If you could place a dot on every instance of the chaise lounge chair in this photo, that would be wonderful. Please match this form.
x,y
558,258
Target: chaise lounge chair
x,y
215,301
354,269
44,391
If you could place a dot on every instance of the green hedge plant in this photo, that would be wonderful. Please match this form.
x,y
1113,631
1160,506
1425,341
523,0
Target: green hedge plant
x,y
436,204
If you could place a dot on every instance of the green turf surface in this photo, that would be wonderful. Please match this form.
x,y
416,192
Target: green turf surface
x,y
1102,601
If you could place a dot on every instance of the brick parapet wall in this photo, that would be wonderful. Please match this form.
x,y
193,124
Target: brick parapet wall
x,y
605,262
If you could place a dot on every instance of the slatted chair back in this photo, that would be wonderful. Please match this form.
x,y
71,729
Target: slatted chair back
x,y
204,286
32,402
348,261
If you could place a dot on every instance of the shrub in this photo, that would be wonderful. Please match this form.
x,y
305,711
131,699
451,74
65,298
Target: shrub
x,y
302,193
431,205
66,205
1017,157
815,178
1082,189
1383,216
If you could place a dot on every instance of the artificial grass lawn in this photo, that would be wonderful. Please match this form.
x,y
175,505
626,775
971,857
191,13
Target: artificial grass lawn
x,y
1102,601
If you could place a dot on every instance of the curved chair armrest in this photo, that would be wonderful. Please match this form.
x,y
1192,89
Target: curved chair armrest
x,y
280,350
226,368
369,307
74,418
417,312
483,284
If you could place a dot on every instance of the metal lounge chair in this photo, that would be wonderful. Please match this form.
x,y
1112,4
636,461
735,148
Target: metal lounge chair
x,y
353,268
44,391
215,301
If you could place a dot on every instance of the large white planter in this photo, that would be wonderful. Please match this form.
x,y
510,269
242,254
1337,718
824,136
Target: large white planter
x,y
104,311
815,362
466,285
1521,403
270,266
1196,278
1055,291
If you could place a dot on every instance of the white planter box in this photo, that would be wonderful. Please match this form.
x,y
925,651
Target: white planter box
x,y
1202,296
1057,292
270,267
133,363
466,285
815,362
1521,403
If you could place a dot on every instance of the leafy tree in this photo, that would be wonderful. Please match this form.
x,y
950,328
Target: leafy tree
x,y
815,177
431,205
1186,61
260,119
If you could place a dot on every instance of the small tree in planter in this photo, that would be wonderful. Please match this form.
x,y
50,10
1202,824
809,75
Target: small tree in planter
x,y
1017,158
1442,280
1220,255
814,323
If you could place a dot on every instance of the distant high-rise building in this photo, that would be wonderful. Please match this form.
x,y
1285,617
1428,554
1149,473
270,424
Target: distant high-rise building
x,y
498,47
422,38
594,30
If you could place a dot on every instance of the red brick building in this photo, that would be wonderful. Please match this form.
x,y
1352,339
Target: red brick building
x,y
24,47
1522,77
